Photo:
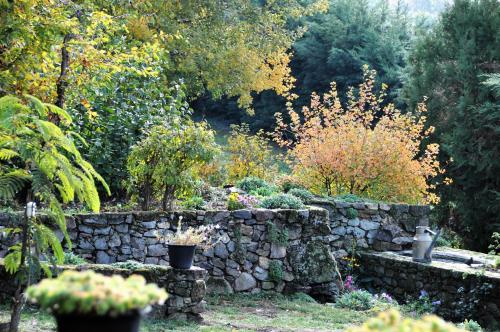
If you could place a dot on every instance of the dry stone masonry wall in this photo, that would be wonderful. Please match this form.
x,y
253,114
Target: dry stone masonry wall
x,y
463,291
282,250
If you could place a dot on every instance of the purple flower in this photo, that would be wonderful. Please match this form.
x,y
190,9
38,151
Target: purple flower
x,y
386,297
248,201
436,303
349,283
423,294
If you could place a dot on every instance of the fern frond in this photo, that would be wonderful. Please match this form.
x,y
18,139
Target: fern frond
x,y
45,238
49,130
13,259
80,137
93,173
7,154
10,107
47,164
91,196
11,183
63,115
37,105
66,188
57,214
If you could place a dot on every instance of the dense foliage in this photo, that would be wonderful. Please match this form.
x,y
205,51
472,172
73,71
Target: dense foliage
x,y
112,63
334,47
448,65
362,148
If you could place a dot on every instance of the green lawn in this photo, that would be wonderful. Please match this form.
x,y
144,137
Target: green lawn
x,y
265,312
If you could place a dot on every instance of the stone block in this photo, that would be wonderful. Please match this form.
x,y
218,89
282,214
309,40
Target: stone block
x,y
244,282
149,224
221,251
277,251
260,273
102,231
157,250
101,243
242,214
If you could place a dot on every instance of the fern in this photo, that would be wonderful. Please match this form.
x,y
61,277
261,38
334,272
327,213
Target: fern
x,y
57,172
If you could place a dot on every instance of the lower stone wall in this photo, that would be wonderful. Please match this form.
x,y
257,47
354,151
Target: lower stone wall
x,y
260,249
186,288
463,291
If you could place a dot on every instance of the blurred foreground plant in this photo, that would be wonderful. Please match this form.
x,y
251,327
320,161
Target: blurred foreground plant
x,y
92,293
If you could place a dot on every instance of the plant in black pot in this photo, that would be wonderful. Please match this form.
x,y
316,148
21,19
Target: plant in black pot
x,y
91,302
182,244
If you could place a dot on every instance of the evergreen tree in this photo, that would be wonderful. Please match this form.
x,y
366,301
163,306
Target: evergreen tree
x,y
448,65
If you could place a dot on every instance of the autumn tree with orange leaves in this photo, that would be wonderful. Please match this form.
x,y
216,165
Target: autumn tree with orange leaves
x,y
361,148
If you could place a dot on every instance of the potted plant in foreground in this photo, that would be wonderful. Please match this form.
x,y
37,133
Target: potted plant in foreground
x,y
182,243
91,302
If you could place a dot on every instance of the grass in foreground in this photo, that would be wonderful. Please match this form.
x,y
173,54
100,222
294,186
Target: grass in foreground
x,y
241,312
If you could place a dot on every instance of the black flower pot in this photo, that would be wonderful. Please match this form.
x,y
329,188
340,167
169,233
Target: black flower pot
x,y
94,323
181,257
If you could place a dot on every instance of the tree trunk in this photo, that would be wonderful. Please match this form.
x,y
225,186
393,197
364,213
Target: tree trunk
x,y
146,197
168,198
19,298
62,83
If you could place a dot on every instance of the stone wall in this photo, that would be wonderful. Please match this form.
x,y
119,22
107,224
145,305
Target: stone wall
x,y
455,284
186,288
260,249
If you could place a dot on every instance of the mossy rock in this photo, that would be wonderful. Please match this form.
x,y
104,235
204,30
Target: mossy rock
x,y
218,286
313,263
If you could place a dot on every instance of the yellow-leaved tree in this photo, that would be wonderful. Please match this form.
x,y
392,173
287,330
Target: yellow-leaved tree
x,y
362,147
250,155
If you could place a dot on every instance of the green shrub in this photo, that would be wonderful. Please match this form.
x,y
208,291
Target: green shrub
x,y
422,305
263,191
304,194
282,201
449,238
194,203
252,183
275,271
72,259
359,300
351,213
471,325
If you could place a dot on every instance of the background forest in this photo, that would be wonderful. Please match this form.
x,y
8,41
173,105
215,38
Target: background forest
x,y
134,76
